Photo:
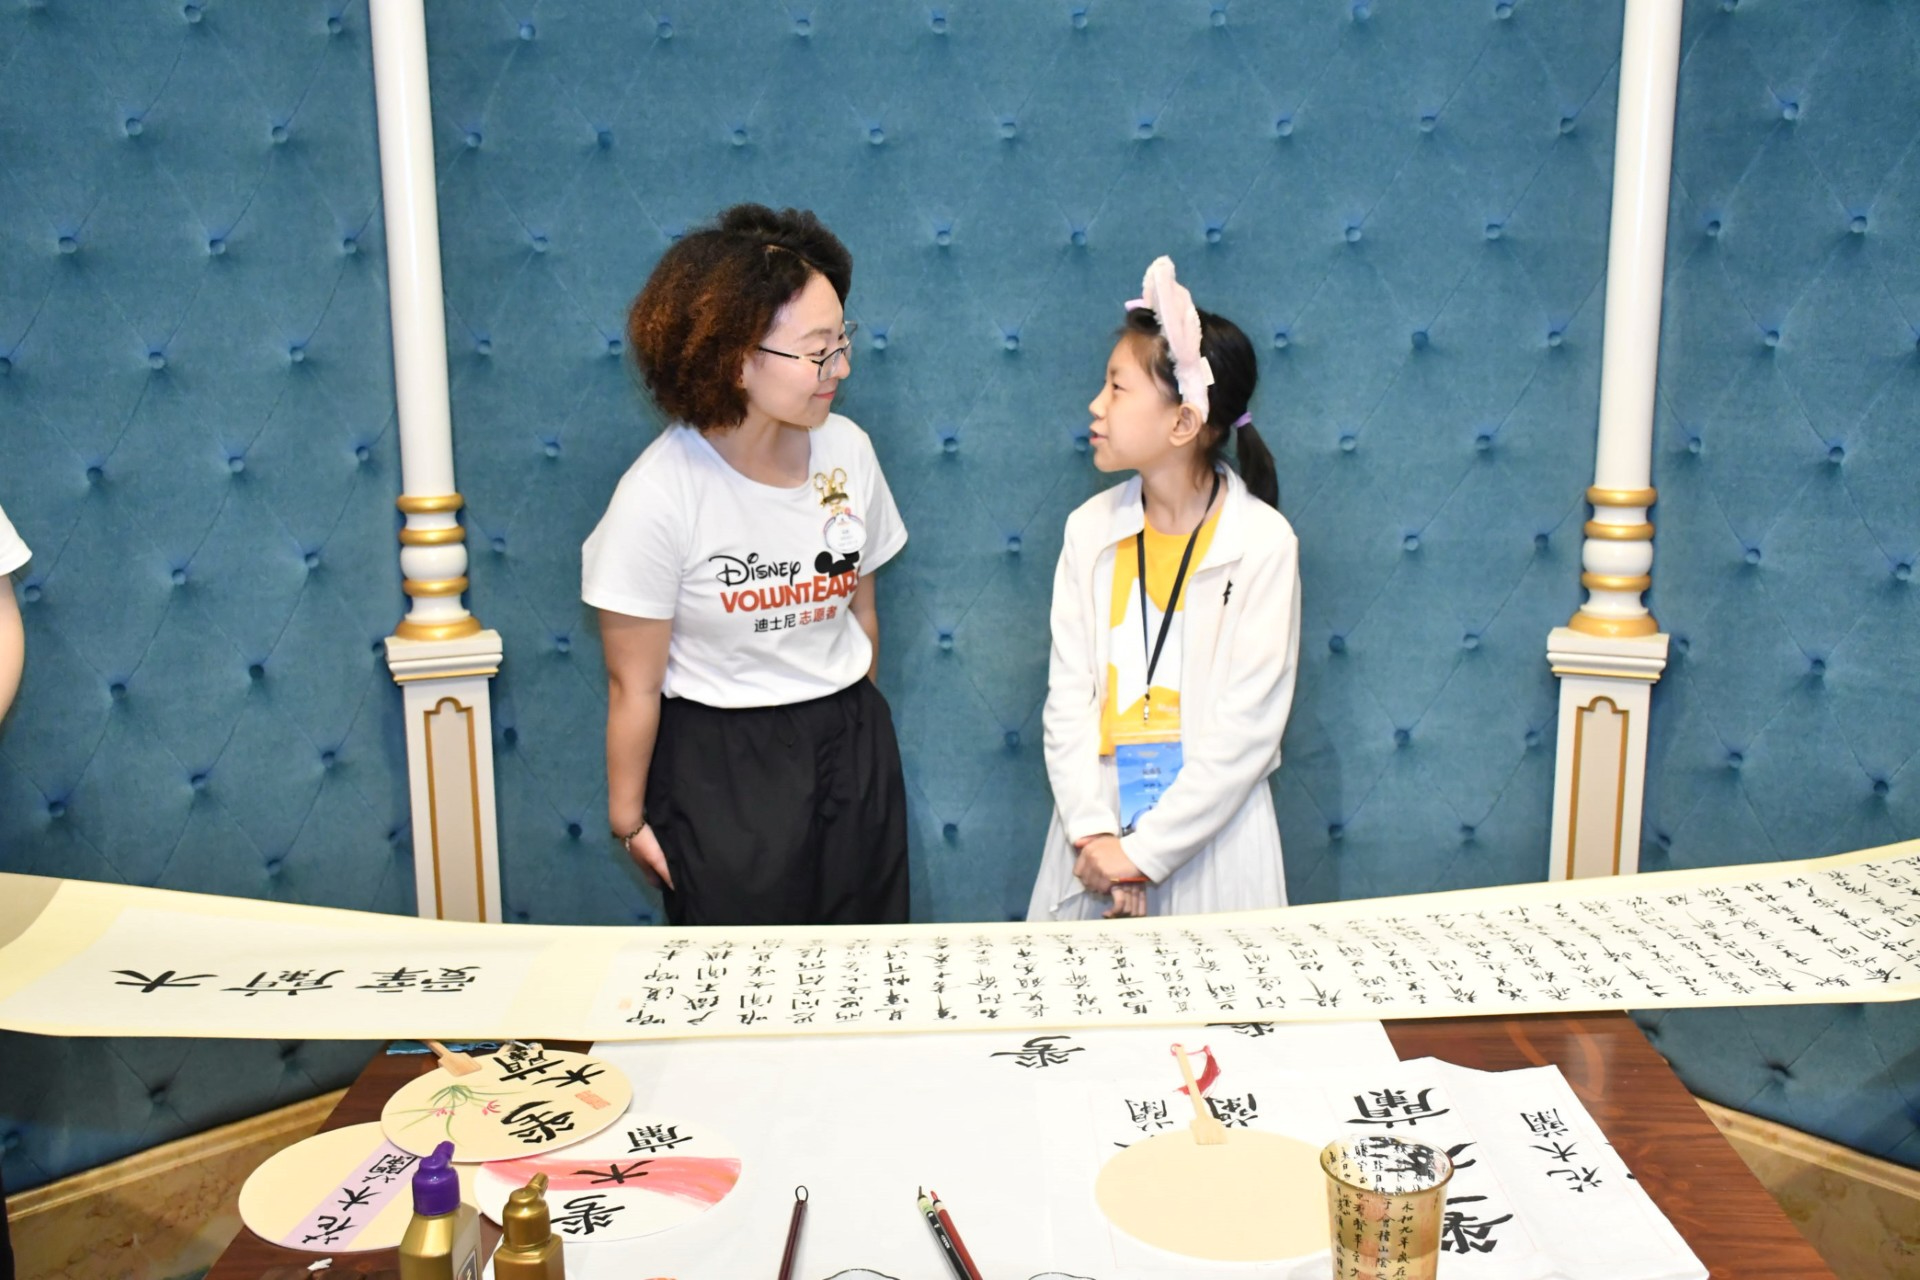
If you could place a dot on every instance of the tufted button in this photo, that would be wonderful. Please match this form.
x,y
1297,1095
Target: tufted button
x,y
1012,738
879,340
1780,1071
509,735
1214,233
1533,737
1567,124
473,139
1336,831
1348,443
563,643
1789,111
1503,10
1695,444
943,236
1013,544
288,1052
603,137
1713,227
1420,339
499,543
1542,541
1284,126
1282,339
10,1142
95,474
573,830
312,559
527,31
335,25
1466,832
483,346
297,353
614,346
69,245
803,26
362,453
1470,641
664,30
217,246
272,866
1880,786
950,443
1080,442
938,21
191,13
31,592
1771,337
1494,230
1427,121
876,135
6,366
1817,667
328,758
156,360
1410,543
1902,571
158,1095
198,780
1753,555
1482,442
237,463
56,808
1353,233
134,126
1556,336
739,135
350,245
1144,129
1336,643
256,671
1362,11
278,133
1010,341
1401,737
1662,839
1857,224
950,831
1682,645
179,577
1079,18
1836,454
1078,237
1735,759
117,690
1218,17
946,641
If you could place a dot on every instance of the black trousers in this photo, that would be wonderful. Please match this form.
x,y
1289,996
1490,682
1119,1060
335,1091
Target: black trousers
x,y
781,815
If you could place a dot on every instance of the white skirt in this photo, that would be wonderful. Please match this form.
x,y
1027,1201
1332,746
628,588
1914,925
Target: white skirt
x,y
1239,870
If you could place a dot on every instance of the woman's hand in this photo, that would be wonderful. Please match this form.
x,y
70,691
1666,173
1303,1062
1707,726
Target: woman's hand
x,y
1101,862
1128,900
645,850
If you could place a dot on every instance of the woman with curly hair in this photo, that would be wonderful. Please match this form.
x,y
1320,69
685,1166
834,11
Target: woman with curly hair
x,y
752,769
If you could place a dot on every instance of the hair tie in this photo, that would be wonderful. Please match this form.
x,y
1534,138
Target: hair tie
x,y
1179,321
1244,420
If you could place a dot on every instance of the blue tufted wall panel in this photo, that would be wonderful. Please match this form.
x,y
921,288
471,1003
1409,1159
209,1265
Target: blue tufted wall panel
x,y
1787,456
1404,205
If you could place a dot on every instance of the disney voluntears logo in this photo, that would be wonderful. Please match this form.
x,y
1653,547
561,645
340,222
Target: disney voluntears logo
x,y
764,585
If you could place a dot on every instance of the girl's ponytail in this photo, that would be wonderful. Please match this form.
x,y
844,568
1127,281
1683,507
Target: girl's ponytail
x,y
1256,463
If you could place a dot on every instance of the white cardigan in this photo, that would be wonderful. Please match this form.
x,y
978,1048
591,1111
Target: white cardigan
x,y
1212,842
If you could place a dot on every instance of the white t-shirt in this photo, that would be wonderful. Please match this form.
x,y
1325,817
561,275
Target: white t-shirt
x,y
13,552
761,607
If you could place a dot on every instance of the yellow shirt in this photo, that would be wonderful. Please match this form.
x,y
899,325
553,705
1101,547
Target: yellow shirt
x,y
1121,718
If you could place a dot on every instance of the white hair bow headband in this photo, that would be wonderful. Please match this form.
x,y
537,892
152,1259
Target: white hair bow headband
x,y
1179,319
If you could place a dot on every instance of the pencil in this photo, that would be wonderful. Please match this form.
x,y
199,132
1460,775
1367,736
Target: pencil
x,y
960,1269
793,1233
953,1234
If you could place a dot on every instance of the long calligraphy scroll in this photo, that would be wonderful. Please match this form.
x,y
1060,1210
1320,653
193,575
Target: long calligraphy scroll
x,y
83,958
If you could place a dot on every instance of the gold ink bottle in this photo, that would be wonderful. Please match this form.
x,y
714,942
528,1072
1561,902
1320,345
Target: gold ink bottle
x,y
443,1240
528,1248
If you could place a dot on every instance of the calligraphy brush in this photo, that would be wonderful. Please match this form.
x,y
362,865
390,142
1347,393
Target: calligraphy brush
x,y
1207,1129
455,1064
953,1234
960,1269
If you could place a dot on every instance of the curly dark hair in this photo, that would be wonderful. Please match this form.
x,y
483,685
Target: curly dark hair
x,y
713,296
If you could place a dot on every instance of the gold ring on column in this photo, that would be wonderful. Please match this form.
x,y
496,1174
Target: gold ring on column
x,y
437,630
431,505
433,587
1642,532
1596,582
1620,497
452,533
1619,628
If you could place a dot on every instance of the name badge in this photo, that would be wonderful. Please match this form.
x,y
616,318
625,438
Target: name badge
x,y
844,533
1146,770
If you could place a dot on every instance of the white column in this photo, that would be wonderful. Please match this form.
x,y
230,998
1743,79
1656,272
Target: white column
x,y
438,653
1611,651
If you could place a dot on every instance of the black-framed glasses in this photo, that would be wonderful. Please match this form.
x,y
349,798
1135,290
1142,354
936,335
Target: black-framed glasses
x,y
825,363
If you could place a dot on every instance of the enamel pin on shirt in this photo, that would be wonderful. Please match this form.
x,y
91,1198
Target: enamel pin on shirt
x,y
844,532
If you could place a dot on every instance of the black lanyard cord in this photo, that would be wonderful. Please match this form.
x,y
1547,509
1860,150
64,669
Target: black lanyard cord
x,y
1151,647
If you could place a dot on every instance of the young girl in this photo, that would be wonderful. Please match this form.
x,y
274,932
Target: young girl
x,y
1176,631
752,769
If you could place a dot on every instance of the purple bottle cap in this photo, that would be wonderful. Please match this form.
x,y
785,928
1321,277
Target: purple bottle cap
x,y
436,1183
